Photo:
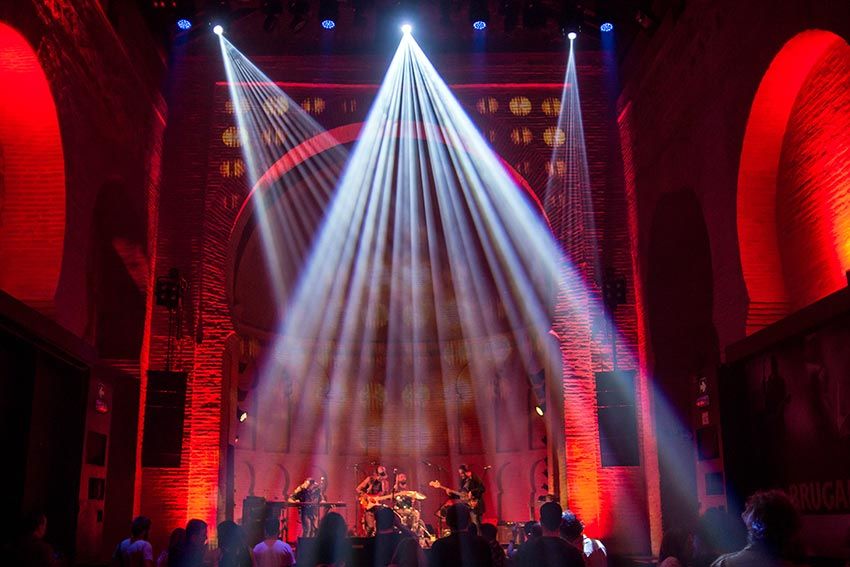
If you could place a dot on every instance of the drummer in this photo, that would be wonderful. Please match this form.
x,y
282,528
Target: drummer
x,y
404,501
403,496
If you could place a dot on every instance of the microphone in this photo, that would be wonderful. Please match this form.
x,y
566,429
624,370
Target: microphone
x,y
488,467
427,463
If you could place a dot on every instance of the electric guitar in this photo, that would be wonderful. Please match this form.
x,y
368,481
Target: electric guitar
x,y
465,497
368,501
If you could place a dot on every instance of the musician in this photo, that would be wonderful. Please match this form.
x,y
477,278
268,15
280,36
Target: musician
x,y
473,487
403,502
373,486
307,492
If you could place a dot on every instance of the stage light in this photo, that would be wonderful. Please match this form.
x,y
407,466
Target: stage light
x,y
241,415
479,14
540,410
606,27
572,35
184,24
218,30
406,28
328,13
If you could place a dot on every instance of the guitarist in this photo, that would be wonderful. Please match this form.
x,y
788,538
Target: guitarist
x,y
372,487
472,486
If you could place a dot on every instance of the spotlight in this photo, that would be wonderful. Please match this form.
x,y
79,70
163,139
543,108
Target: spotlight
x,y
479,14
184,24
406,28
572,35
241,415
540,410
218,30
328,13
606,27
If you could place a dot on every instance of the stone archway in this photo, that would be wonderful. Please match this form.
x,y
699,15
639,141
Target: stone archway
x,y
793,205
32,177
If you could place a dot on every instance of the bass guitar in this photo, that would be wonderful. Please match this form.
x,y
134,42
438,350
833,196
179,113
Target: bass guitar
x,y
466,497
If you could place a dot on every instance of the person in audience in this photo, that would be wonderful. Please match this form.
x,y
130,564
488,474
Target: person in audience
x,y
460,548
530,530
676,549
773,526
718,532
32,550
191,551
271,552
233,549
572,530
176,537
550,550
387,537
489,533
332,547
408,554
136,550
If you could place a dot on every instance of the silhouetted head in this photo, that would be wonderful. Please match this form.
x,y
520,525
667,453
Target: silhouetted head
x,y
457,517
571,527
550,517
141,527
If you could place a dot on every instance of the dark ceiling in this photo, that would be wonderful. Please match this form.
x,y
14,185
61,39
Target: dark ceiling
x,y
270,27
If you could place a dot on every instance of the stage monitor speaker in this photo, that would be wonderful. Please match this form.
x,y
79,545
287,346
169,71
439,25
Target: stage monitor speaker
x,y
617,414
253,516
165,407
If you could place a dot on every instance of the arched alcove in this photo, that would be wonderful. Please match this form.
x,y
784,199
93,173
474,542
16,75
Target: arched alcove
x,y
679,307
32,176
793,201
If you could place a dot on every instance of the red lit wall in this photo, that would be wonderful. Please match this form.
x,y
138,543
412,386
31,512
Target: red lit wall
x,y
813,182
32,177
792,179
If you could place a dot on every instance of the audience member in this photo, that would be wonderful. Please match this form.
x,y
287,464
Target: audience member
x,y
489,533
387,537
32,550
271,552
550,550
233,549
191,551
676,549
331,548
175,539
460,548
136,550
773,525
572,530
408,554
530,530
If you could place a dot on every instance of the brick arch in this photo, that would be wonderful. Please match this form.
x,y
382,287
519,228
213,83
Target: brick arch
x,y
32,176
794,173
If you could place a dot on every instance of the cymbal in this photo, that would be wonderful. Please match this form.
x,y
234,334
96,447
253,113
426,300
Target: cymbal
x,y
411,494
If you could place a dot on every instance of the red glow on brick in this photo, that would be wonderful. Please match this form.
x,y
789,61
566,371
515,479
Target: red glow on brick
x,y
765,265
32,176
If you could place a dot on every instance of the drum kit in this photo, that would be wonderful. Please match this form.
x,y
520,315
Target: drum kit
x,y
406,505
